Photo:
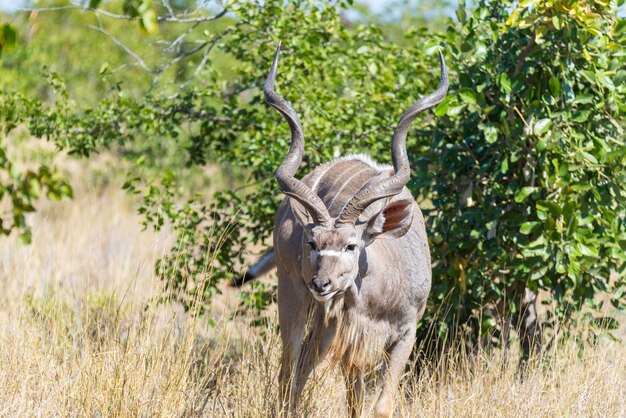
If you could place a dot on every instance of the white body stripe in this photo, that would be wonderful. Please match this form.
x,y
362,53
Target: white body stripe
x,y
317,181
332,202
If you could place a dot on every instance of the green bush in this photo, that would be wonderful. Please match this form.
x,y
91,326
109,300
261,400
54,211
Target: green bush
x,y
521,171
525,162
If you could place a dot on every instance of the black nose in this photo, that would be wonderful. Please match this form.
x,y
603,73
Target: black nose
x,y
320,285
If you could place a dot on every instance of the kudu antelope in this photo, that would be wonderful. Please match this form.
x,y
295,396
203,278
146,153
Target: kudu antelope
x,y
350,244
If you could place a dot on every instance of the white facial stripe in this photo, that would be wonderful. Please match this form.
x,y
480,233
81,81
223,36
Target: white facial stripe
x,y
330,253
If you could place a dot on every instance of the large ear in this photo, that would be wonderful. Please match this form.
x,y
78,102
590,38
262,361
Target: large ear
x,y
392,222
299,211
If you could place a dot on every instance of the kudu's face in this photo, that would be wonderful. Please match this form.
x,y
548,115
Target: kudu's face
x,y
333,255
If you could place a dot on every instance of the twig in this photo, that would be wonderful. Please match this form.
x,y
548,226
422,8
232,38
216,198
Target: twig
x,y
126,49
205,58
521,116
176,19
172,18
168,6
182,56
181,38
46,9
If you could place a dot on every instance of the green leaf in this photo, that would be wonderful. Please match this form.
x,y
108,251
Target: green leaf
x,y
546,206
527,227
540,146
555,86
454,111
491,134
441,109
584,98
468,96
588,157
523,193
584,250
26,236
461,14
580,116
542,126
148,22
605,80
589,75
8,37
504,167
504,82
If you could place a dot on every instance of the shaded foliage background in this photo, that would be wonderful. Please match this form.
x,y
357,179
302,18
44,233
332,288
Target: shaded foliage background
x,y
521,171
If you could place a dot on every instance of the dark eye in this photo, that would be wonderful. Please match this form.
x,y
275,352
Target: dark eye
x,y
350,247
312,245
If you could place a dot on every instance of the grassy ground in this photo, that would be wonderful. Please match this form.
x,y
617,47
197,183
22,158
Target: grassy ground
x,y
79,337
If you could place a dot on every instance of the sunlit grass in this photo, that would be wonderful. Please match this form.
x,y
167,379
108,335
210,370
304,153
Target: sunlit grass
x,y
80,336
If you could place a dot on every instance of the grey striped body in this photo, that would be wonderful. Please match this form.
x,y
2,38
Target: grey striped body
x,y
350,239
389,292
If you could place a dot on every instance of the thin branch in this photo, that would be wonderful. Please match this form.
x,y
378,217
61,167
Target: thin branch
x,y
111,15
171,18
171,46
205,58
181,57
176,19
198,114
521,116
126,49
178,40
47,9
168,6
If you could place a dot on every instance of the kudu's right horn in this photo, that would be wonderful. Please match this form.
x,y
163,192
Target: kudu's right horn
x,y
288,184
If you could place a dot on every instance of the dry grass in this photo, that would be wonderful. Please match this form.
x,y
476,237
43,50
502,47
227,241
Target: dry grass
x,y
78,337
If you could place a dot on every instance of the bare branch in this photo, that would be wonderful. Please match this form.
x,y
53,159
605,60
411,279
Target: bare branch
x,y
181,57
112,15
172,47
47,9
178,40
168,6
171,18
176,19
205,58
126,49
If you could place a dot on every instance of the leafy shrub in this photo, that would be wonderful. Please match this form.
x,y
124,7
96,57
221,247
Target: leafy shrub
x,y
521,170
525,162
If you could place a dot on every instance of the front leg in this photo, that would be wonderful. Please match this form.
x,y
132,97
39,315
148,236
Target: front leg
x,y
353,377
293,306
395,362
315,347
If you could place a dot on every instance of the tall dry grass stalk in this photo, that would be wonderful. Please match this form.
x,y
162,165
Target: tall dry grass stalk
x,y
79,337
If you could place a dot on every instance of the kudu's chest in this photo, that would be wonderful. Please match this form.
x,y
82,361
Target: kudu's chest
x,y
358,338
